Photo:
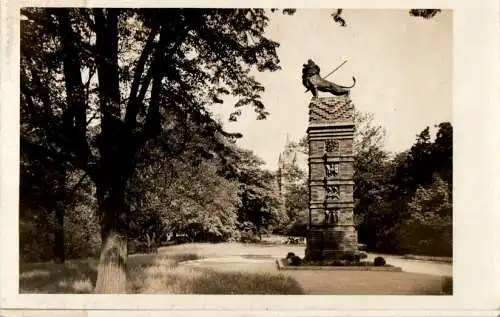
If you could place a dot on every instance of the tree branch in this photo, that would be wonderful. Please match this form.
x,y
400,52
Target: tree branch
x,y
134,102
153,123
75,116
57,156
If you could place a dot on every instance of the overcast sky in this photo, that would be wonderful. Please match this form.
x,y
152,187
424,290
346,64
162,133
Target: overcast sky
x,y
402,64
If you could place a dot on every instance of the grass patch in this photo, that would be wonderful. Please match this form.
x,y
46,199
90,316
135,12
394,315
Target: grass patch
x,y
79,276
182,257
166,279
71,277
245,283
447,286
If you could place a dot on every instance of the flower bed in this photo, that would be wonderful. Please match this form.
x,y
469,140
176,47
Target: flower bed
x,y
286,264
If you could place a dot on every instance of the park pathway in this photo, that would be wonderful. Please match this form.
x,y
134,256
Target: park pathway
x,y
264,258
417,266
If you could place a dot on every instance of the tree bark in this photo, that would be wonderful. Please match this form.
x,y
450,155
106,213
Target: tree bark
x,y
112,268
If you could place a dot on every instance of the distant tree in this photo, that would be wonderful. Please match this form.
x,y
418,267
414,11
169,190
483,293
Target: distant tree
x,y
297,208
432,205
426,158
429,228
186,193
368,134
416,175
371,174
443,152
259,198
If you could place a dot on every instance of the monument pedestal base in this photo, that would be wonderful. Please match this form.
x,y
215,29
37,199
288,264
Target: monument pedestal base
x,y
336,243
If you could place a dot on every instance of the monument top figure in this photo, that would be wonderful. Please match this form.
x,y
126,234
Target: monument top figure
x,y
314,82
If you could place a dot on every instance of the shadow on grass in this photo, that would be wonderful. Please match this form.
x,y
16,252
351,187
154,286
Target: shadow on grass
x,y
447,286
79,276
53,278
182,257
443,287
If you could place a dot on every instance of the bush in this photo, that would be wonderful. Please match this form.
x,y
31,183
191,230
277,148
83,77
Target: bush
x,y
249,237
351,257
290,255
295,260
379,261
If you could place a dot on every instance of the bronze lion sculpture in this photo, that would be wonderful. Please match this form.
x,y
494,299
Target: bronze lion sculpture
x,y
314,82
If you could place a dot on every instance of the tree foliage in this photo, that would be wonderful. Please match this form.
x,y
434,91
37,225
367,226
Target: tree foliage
x,y
408,208
259,211
98,84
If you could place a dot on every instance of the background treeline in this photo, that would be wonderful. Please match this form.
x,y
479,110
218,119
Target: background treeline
x,y
403,201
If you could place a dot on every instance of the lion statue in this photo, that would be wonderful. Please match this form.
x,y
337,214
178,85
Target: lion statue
x,y
313,81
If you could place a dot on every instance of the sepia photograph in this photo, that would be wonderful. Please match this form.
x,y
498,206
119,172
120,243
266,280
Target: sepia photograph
x,y
236,151
155,156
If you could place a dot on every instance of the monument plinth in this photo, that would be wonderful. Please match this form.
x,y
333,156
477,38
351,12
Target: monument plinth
x,y
331,230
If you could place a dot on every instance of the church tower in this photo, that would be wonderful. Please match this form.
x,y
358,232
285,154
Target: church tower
x,y
286,161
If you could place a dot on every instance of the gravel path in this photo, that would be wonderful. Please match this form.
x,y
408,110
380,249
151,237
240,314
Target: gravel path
x,y
417,266
263,255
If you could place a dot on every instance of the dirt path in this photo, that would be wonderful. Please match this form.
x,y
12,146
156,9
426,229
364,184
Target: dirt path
x,y
273,252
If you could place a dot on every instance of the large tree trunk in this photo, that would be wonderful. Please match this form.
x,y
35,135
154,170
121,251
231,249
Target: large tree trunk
x,y
112,268
116,151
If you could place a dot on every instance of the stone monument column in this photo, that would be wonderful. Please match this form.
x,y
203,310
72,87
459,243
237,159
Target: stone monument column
x,y
331,230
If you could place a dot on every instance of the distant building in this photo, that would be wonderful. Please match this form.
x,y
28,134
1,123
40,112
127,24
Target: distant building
x,y
286,161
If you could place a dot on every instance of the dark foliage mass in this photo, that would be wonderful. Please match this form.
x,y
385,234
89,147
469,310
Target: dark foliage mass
x,y
404,203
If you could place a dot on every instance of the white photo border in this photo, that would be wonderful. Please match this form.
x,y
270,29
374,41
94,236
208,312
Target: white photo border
x,y
476,187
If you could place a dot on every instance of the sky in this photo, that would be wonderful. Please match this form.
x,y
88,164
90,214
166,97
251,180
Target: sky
x,y
402,64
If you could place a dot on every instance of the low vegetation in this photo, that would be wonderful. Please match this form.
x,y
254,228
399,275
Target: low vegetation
x,y
167,273
159,273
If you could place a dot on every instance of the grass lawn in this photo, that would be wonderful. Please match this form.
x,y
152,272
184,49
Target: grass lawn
x,y
167,273
370,283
